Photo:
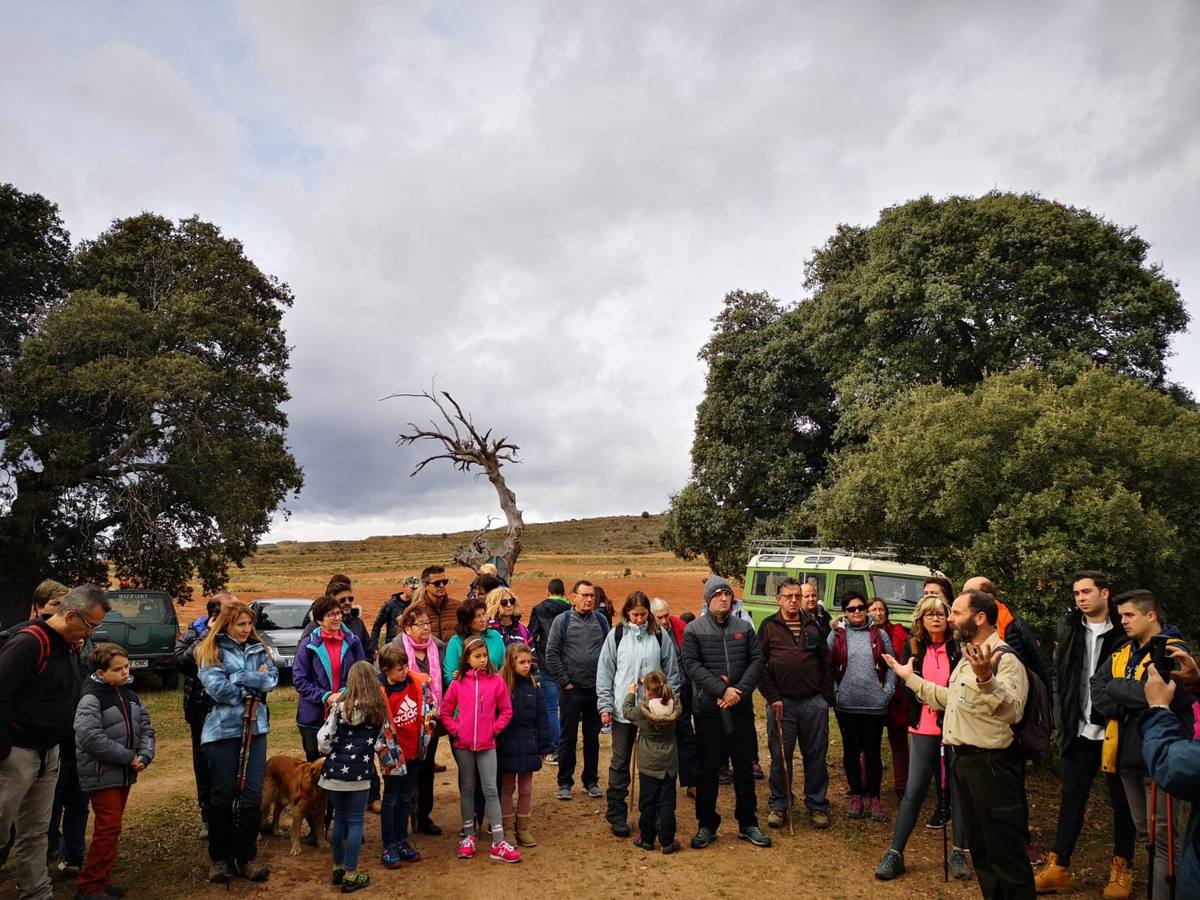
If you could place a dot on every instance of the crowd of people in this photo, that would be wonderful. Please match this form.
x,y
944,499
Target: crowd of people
x,y
963,695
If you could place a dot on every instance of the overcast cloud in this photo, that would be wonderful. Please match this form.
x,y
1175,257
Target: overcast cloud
x,y
542,204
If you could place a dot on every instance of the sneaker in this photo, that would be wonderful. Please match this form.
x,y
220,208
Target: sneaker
x,y
503,851
391,857
620,829
938,819
877,812
890,866
218,872
550,759
818,818
408,853
759,774
466,847
254,871
564,792
357,882
958,865
702,838
644,845
427,827
338,876
673,847
854,809
593,790
776,819
754,835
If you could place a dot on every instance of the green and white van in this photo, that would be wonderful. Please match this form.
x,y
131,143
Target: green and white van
x,y
876,573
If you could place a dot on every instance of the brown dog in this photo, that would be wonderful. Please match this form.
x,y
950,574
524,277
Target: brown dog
x,y
292,783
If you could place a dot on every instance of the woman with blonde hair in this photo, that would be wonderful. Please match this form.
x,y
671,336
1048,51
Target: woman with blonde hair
x,y
504,616
234,668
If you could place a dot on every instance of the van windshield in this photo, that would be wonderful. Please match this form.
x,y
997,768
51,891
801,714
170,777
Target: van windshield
x,y
279,616
144,610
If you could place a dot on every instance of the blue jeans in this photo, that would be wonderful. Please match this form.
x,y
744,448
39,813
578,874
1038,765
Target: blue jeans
x,y
69,815
397,804
550,691
348,809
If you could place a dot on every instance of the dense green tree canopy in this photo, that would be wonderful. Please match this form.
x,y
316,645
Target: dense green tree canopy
x,y
143,420
1026,478
935,293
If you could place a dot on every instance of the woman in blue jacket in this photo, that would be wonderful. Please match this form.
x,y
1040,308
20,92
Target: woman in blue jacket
x,y
322,664
235,667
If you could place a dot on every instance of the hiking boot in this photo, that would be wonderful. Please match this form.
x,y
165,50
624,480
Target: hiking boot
x,y
673,847
254,871
890,866
427,827
466,847
754,835
391,857
355,882
564,792
593,790
818,818
408,853
218,872
1053,877
877,812
958,865
503,851
776,819
642,845
702,838
759,774
620,829
1120,880
525,836
854,809
938,819
510,824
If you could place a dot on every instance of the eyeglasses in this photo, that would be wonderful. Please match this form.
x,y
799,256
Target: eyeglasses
x,y
424,623
441,582
854,609
89,624
333,613
508,601
586,596
935,615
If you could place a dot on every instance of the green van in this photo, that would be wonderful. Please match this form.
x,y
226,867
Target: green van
x,y
144,623
876,573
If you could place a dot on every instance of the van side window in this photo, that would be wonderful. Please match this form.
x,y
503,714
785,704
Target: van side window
x,y
767,583
847,583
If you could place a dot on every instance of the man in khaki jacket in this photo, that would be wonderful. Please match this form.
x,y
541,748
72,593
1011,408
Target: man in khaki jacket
x,y
985,698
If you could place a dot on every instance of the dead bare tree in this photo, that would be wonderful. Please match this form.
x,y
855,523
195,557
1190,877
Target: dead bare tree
x,y
467,449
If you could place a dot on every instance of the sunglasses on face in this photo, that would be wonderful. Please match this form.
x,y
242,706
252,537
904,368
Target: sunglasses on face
x,y
508,601
854,609
441,582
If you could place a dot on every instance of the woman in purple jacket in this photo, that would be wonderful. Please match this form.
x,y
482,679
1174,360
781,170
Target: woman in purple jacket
x,y
323,661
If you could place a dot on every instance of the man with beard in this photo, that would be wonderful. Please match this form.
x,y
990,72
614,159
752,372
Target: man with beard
x,y
985,698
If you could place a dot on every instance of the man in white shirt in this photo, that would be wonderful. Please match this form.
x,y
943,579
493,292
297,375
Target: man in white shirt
x,y
1087,636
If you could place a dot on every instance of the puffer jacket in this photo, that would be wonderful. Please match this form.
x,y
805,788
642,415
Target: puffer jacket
x,y
112,729
492,639
475,709
526,739
621,664
712,649
658,749
1068,669
229,683
313,676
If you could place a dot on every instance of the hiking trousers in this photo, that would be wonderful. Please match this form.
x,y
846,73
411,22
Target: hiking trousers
x,y
805,722
989,785
1080,765
578,706
27,780
714,747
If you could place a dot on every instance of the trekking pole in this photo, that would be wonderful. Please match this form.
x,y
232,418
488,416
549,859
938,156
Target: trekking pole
x,y
945,811
633,777
1170,846
787,771
249,715
1152,849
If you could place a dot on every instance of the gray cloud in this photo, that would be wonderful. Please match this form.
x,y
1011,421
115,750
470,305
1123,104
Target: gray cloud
x,y
542,204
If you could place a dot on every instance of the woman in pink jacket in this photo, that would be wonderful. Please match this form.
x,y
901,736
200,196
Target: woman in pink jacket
x,y
475,709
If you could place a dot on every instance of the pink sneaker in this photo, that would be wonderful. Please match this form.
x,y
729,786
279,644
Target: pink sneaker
x,y
503,851
877,812
466,847
855,808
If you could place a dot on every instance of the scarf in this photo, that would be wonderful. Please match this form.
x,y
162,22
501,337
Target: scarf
x,y
435,664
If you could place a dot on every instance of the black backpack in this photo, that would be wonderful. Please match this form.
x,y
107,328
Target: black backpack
x,y
621,634
1032,733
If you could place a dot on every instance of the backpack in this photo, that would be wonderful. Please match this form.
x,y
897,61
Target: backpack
x,y
564,622
1032,733
621,633
43,643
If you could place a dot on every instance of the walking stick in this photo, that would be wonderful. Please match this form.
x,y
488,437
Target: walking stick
x,y
1151,847
1170,846
633,777
945,811
249,715
787,771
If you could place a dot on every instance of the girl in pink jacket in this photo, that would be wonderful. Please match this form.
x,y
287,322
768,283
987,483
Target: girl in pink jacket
x,y
475,709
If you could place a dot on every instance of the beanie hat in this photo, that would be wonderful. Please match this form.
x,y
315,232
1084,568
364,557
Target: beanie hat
x,y
715,583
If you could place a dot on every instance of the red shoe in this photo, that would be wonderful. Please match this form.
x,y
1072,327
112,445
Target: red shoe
x,y
503,851
466,847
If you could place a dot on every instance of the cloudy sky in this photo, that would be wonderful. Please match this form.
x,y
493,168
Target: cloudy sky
x,y
542,204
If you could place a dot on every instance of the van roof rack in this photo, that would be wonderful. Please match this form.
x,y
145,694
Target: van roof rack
x,y
793,547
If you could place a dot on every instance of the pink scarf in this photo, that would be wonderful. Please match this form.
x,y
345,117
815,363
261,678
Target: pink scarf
x,y
435,664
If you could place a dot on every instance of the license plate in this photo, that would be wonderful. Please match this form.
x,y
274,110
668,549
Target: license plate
x,y
139,663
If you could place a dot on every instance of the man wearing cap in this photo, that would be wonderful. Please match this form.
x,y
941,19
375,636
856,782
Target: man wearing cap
x,y
723,661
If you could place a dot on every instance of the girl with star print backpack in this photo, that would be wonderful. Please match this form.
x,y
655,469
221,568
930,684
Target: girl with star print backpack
x,y
348,740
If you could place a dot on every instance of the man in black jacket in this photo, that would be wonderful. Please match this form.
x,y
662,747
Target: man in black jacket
x,y
1087,636
38,689
388,620
723,660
